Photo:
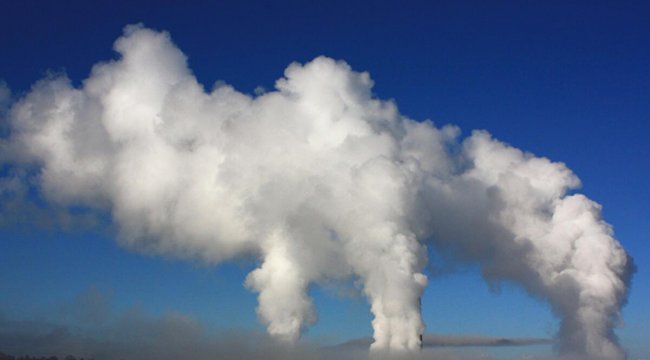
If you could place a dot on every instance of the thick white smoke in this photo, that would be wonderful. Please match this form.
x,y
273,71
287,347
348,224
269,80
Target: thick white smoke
x,y
321,181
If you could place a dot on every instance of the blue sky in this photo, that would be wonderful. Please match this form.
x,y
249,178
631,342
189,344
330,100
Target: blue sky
x,y
567,81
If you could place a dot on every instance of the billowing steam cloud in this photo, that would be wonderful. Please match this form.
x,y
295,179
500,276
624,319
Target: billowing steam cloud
x,y
321,181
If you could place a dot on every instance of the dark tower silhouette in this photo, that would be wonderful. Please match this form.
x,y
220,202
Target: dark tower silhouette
x,y
420,309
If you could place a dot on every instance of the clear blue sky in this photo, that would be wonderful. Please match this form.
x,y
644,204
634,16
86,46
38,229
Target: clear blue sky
x,y
565,80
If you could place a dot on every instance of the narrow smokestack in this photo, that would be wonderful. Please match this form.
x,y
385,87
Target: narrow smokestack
x,y
420,307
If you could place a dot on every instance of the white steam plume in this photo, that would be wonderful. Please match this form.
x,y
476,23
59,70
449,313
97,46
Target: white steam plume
x,y
321,181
